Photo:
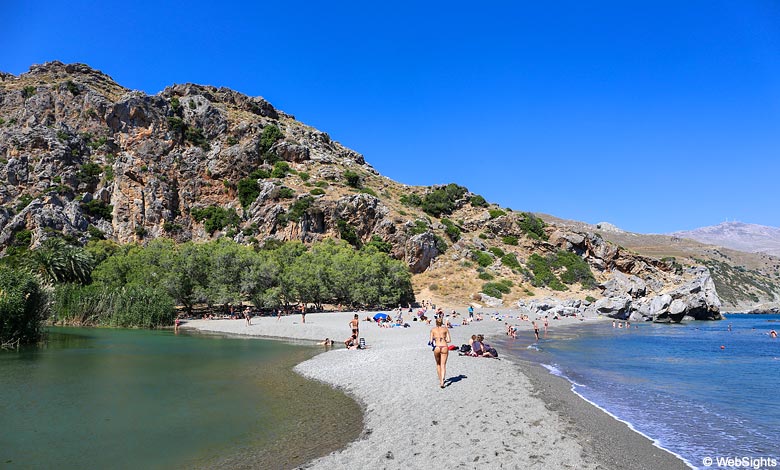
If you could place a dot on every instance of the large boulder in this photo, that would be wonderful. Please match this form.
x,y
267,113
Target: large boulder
x,y
622,285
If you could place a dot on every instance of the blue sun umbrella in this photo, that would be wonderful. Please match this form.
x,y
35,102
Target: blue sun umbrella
x,y
381,316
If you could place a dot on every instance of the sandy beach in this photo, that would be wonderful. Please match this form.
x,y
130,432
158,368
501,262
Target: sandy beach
x,y
500,413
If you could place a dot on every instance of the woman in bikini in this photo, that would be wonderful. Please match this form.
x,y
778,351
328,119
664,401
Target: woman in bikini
x,y
355,325
440,337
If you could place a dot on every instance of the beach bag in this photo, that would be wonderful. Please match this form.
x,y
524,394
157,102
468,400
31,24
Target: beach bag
x,y
362,343
465,348
493,352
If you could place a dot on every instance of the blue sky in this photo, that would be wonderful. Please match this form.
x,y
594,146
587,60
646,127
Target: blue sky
x,y
652,115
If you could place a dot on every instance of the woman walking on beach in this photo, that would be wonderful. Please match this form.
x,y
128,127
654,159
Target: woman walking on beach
x,y
440,338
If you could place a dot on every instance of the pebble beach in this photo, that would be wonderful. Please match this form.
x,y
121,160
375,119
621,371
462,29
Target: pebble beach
x,y
501,413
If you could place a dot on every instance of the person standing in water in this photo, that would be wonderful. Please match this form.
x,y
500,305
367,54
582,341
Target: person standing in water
x,y
536,330
440,338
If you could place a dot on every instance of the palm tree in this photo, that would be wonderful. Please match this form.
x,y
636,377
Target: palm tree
x,y
56,261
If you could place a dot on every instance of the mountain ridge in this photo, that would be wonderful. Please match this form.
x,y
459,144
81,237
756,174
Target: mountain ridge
x,y
736,235
85,158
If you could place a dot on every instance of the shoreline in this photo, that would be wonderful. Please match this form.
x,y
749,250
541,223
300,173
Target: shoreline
x,y
508,412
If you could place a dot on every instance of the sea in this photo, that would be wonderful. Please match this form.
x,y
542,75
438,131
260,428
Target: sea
x,y
701,390
114,398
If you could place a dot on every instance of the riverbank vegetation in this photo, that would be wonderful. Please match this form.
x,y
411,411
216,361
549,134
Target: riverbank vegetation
x,y
105,284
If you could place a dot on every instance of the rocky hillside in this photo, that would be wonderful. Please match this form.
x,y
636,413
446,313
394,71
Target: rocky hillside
x,y
745,281
84,158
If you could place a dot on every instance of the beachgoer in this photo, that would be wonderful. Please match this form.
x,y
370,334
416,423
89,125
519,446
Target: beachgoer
x,y
176,324
477,348
248,316
326,343
303,313
773,334
471,312
278,314
536,330
355,325
440,338
545,326
351,342
613,324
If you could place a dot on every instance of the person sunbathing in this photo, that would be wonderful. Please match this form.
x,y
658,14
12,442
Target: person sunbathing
x,y
477,349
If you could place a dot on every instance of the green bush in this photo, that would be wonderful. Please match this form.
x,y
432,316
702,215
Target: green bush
x,y
442,200
441,245
496,213
483,236
380,245
542,272
95,233
321,184
23,307
483,259
23,201
285,193
368,191
486,276
299,208
532,226
352,178
260,174
317,191
510,260
348,233
590,299
171,227
268,138
248,190
72,88
478,201
510,240
576,269
496,251
23,238
420,226
28,91
195,136
495,289
411,200
98,208
280,170
177,125
88,173
215,218
452,230
304,176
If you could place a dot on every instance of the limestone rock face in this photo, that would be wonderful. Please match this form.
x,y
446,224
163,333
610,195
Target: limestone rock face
x,y
420,251
490,301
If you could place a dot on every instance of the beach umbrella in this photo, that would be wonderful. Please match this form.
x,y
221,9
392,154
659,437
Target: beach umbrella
x,y
380,316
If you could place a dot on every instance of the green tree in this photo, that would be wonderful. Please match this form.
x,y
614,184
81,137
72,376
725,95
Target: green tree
x,y
56,261
23,308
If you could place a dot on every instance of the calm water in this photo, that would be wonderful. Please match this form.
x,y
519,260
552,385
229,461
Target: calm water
x,y
674,383
97,398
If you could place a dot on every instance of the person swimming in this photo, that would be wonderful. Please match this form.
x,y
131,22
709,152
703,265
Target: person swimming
x,y
440,338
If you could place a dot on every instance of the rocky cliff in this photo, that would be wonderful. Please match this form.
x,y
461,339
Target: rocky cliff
x,y
84,158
